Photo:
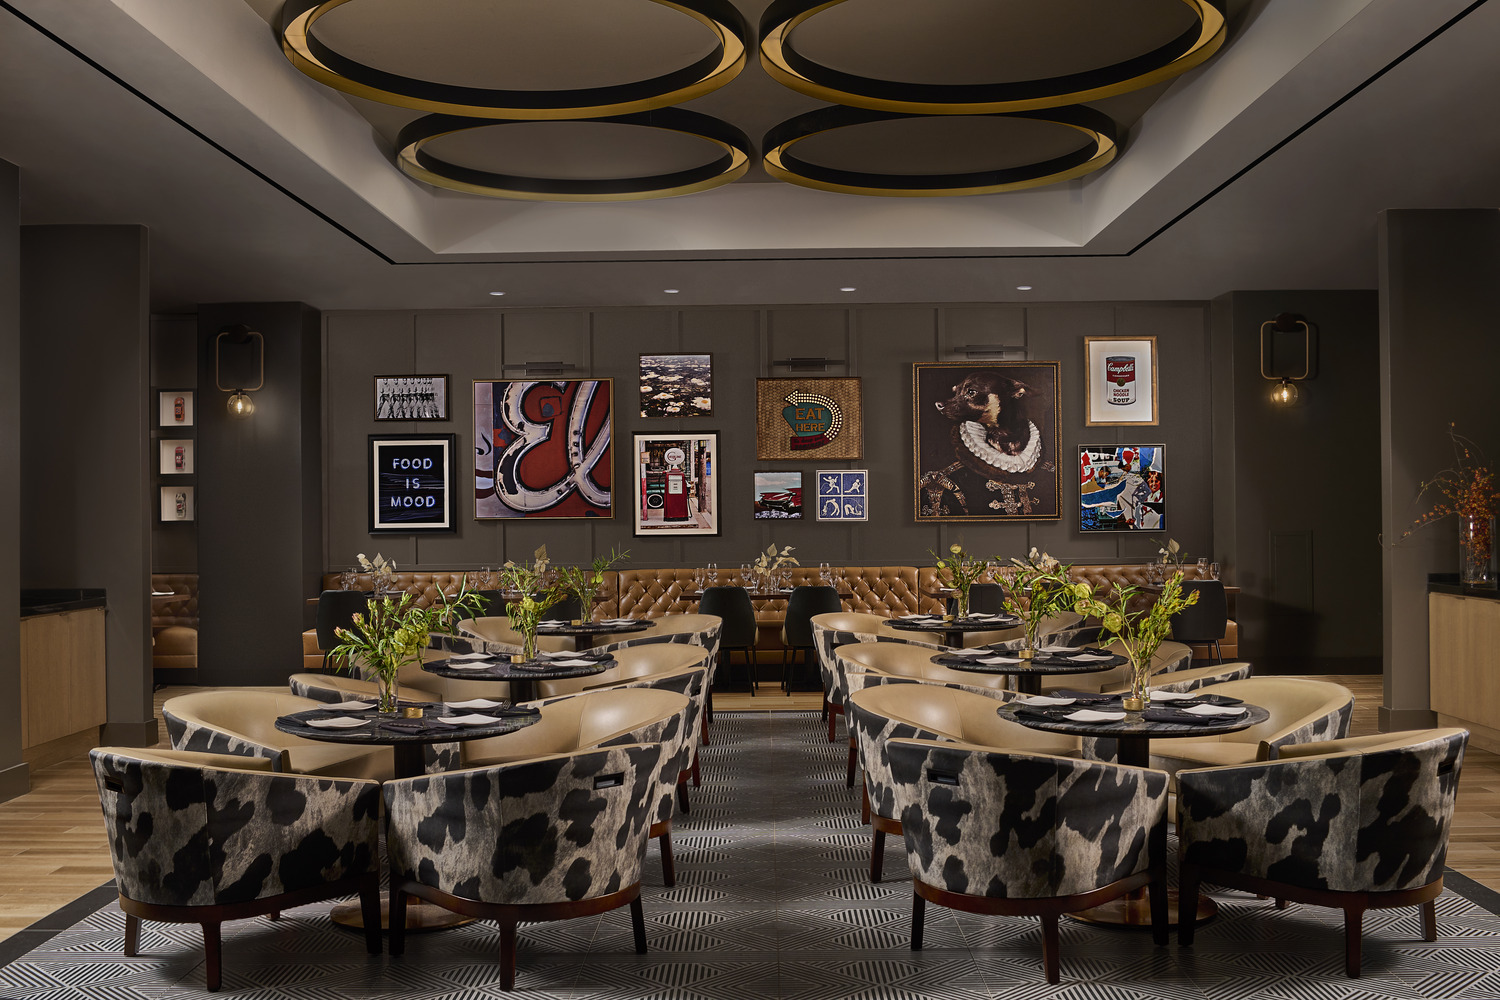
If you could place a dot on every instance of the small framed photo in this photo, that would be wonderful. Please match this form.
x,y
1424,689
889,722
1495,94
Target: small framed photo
x,y
778,495
677,385
843,494
1122,487
676,483
176,406
176,456
1122,384
413,484
411,397
177,503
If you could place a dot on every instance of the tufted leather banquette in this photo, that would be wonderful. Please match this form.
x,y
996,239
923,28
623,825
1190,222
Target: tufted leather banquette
x,y
174,623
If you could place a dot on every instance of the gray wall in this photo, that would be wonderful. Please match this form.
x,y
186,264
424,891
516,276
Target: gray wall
x,y
87,496
1439,300
174,365
13,773
1293,524
879,343
259,519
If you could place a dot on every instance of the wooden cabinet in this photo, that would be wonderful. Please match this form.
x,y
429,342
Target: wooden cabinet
x,y
62,675
1463,637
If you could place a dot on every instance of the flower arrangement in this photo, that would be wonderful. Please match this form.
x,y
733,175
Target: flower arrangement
x,y
1139,632
584,582
769,562
393,631
381,571
1044,581
958,571
1467,491
1171,553
537,589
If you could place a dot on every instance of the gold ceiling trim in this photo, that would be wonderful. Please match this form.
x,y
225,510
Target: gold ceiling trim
x,y
301,47
786,66
781,162
733,162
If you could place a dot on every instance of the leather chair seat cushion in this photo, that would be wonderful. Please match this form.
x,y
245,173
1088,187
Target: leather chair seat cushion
x,y
1179,755
176,640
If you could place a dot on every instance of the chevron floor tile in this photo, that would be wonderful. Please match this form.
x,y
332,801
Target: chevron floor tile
x,y
773,900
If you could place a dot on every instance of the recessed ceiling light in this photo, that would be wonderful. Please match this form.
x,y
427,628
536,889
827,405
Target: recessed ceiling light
x,y
497,293
1023,288
848,288
670,291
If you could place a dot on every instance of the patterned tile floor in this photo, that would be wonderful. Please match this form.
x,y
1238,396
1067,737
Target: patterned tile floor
x,y
772,900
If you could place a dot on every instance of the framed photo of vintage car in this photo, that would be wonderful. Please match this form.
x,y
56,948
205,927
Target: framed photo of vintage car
x,y
1122,385
986,441
676,483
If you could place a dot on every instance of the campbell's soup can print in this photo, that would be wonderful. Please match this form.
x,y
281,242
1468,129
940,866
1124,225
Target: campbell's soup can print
x,y
1119,379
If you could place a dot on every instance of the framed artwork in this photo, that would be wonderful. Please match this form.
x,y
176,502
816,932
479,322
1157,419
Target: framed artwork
x,y
176,456
413,484
985,441
676,483
1121,487
843,494
1122,385
177,503
411,397
176,408
778,495
677,385
543,449
808,418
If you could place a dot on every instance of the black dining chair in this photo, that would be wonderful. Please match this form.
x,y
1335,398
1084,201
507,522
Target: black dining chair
x,y
986,598
1205,621
796,632
740,630
336,610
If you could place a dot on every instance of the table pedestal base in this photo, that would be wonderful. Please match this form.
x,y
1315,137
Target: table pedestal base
x,y
420,915
1133,910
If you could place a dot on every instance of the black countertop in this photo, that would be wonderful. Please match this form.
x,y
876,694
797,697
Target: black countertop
x,y
50,601
1447,583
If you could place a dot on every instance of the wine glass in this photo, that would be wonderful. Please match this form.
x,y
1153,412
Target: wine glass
x,y
712,575
347,578
744,574
825,573
1203,568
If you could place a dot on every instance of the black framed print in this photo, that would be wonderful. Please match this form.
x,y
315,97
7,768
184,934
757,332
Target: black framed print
x,y
411,397
676,483
413,484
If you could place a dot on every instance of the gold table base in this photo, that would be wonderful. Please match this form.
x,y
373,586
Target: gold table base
x,y
420,915
1133,910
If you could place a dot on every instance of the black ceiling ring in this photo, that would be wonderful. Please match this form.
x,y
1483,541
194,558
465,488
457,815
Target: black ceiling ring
x,y
317,60
1100,147
732,162
788,66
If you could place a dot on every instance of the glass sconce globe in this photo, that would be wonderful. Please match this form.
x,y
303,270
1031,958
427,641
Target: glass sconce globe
x,y
1285,393
241,405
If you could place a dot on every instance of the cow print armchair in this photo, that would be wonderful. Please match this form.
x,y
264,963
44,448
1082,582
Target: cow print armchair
x,y
538,840
990,831
1357,824
203,838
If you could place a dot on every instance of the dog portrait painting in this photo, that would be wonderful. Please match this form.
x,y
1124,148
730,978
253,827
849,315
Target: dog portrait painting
x,y
986,441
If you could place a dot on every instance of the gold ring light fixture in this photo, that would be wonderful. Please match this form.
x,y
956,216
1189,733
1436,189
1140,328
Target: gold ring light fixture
x,y
782,60
730,146
240,405
300,43
1097,148
1285,392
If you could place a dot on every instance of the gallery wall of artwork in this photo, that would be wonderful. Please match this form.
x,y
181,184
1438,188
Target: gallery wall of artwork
x,y
827,461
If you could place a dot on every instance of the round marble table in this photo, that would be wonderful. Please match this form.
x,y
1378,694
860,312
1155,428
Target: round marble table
x,y
589,632
953,629
522,677
1029,673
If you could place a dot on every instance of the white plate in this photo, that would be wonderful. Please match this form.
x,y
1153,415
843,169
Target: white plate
x,y
1090,715
1058,649
471,665
1171,695
1044,701
338,722
618,621
472,656
1088,658
1226,710
996,660
476,703
977,651
354,706
573,663
472,719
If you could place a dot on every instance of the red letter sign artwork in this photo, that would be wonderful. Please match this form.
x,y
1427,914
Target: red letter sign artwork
x,y
542,449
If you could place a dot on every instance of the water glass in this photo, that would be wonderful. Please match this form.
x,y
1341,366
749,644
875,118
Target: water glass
x,y
348,578
1213,571
1203,568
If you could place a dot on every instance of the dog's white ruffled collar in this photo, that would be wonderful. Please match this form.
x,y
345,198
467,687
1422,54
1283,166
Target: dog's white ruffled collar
x,y
971,432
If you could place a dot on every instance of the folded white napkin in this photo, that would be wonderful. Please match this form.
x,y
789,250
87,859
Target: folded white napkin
x,y
476,703
1090,715
338,722
993,660
919,618
1171,695
472,719
1043,700
1058,649
353,706
472,656
1089,657
552,621
471,664
572,663
1216,709
618,621
970,653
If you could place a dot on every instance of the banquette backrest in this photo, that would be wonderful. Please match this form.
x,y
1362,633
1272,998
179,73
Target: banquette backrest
x,y
182,611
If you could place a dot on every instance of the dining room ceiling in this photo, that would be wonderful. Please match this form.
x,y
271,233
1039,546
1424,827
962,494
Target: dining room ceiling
x,y
1265,166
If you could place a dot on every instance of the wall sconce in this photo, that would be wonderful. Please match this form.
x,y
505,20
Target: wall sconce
x,y
1285,392
806,364
537,369
240,404
990,352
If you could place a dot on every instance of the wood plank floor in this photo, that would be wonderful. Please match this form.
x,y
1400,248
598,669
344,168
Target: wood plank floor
x,y
53,847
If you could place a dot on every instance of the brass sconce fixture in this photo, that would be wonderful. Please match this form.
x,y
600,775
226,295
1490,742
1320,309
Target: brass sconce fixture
x,y
240,405
1285,392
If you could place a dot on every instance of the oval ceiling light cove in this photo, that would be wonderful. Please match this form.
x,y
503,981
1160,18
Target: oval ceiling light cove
x,y
1087,138
726,158
1176,50
302,45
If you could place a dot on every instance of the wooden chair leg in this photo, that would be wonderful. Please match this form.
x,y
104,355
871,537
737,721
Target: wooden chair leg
x,y
697,772
507,954
877,855
823,714
1049,947
703,728
918,909
638,925
853,764
1280,903
274,915
682,796
832,722
398,921
1156,889
132,935
1354,929
1429,920
668,868
1187,904
864,805
369,910
754,663
213,951
708,712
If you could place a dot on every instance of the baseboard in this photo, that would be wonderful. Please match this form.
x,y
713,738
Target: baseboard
x,y
1396,720
63,748
1481,736
130,734
15,781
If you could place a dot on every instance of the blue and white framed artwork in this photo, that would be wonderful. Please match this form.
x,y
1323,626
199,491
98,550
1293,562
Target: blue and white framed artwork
x,y
843,494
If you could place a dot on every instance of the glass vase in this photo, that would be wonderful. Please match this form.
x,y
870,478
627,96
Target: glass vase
x,y
388,687
528,643
1476,552
961,602
1140,684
